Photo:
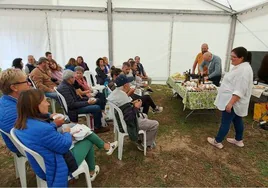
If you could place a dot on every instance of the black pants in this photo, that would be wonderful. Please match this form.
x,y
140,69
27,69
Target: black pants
x,y
216,80
147,102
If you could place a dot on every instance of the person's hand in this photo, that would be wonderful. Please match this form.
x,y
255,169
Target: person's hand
x,y
137,103
91,101
229,107
206,77
66,130
59,121
52,115
52,90
88,95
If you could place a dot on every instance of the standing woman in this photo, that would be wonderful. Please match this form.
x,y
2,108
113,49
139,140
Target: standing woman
x,y
233,98
100,70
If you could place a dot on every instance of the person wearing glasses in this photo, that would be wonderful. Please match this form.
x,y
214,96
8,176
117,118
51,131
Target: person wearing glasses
x,y
12,83
213,63
233,98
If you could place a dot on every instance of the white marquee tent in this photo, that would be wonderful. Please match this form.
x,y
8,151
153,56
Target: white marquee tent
x,y
166,34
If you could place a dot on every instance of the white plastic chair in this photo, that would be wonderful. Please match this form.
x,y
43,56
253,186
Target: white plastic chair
x,y
65,108
88,75
83,167
19,162
122,135
53,102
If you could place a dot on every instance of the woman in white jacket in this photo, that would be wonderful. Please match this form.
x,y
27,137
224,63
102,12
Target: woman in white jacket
x,y
233,98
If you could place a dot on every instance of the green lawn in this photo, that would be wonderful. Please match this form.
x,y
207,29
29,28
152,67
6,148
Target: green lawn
x,y
182,157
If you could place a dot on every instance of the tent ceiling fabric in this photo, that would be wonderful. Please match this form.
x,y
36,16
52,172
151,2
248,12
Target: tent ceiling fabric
x,y
237,5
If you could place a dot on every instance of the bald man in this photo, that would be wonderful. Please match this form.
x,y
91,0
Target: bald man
x,y
213,63
199,58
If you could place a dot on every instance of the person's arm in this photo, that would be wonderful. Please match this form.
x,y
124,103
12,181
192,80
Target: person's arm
x,y
26,70
55,141
194,65
217,69
233,100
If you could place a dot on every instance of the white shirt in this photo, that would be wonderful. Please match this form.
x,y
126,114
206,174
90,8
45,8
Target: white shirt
x,y
239,81
119,97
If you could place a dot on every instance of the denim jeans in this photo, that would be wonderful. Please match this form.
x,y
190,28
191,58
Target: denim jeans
x,y
96,111
226,120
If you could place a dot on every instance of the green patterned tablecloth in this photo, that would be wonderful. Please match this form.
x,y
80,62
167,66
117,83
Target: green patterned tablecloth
x,y
194,100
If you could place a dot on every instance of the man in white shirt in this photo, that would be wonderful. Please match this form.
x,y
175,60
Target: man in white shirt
x,y
120,98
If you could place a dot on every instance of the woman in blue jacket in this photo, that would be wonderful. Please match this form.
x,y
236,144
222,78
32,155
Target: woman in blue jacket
x,y
36,132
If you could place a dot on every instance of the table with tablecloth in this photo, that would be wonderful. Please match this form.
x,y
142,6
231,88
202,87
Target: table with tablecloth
x,y
194,100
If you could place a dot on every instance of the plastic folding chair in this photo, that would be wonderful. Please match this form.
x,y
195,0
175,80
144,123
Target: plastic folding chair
x,y
122,135
83,167
19,162
53,102
65,108
91,78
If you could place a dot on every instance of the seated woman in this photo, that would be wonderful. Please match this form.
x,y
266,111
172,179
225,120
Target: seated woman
x,y
80,62
71,64
82,88
77,105
100,70
147,101
56,71
107,68
36,132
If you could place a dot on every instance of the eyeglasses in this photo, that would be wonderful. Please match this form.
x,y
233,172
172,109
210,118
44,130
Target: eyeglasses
x,y
16,83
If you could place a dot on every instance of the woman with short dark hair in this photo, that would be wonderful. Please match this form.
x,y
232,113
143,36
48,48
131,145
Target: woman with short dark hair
x,y
100,70
233,98
35,131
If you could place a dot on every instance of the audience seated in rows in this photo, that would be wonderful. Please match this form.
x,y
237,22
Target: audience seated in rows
x,y
130,111
41,76
12,83
77,105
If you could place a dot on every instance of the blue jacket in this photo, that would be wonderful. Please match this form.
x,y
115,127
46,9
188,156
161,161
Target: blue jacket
x,y
8,116
70,67
43,138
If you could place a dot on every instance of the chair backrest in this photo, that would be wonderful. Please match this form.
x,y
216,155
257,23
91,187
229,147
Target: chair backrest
x,y
114,109
62,101
13,141
91,78
35,155
33,84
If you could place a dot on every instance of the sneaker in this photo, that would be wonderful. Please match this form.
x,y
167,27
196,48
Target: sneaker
x,y
234,141
213,142
158,109
113,146
97,171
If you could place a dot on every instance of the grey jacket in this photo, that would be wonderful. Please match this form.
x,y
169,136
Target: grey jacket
x,y
214,66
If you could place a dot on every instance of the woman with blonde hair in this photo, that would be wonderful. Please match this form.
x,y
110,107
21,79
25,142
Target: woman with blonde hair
x,y
71,64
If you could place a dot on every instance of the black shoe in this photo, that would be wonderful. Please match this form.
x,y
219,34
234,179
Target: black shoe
x,y
149,90
102,130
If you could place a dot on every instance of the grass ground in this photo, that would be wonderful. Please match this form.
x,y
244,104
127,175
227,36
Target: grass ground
x,y
182,157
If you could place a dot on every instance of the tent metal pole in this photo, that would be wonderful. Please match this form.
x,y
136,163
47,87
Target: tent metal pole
x,y
220,6
171,11
48,34
52,8
110,31
170,45
230,42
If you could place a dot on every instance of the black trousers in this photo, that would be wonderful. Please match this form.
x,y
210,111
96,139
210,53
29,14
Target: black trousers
x,y
147,102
